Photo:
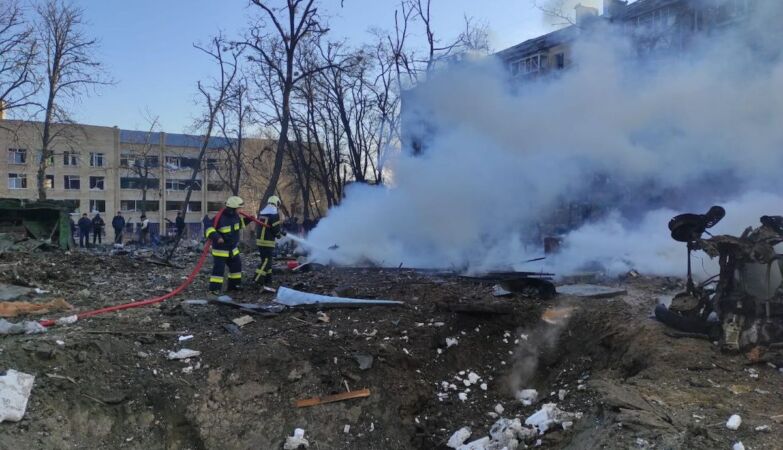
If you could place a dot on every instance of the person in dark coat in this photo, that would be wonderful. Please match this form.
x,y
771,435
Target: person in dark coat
x,y
144,232
118,223
97,228
180,224
85,226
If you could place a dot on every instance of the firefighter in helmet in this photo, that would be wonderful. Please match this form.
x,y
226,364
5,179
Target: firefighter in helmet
x,y
224,234
270,216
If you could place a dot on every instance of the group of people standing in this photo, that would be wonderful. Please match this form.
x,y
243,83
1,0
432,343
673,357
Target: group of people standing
x,y
96,227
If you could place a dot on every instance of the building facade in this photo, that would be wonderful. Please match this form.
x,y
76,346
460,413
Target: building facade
x,y
652,25
105,169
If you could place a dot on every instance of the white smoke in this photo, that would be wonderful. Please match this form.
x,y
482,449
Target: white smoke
x,y
647,139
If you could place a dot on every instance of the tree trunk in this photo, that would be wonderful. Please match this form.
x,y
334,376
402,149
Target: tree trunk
x,y
282,146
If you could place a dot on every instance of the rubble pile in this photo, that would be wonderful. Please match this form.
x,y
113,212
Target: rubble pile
x,y
195,372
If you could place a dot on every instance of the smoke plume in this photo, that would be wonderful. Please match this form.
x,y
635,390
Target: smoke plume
x,y
636,140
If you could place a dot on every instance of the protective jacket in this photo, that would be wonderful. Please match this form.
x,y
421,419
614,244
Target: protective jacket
x,y
267,235
227,227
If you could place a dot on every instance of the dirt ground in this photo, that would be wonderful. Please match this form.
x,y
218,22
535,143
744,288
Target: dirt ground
x,y
108,383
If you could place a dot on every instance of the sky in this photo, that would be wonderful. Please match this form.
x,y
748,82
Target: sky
x,y
147,46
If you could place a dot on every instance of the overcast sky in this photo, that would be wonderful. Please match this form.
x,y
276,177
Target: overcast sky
x,y
147,45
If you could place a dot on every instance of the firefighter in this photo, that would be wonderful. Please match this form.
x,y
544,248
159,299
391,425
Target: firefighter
x,y
266,238
225,252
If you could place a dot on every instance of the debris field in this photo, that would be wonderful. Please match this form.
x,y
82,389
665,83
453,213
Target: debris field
x,y
456,366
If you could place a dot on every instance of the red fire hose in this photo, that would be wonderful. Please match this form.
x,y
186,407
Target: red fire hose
x,y
162,298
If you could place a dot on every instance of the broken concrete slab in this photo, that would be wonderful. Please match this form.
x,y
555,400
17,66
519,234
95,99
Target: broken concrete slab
x,y
12,292
15,389
364,360
293,298
590,291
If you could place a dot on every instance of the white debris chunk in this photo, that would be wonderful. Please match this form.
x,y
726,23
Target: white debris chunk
x,y
451,342
296,441
499,408
480,444
459,437
734,422
527,396
186,338
762,428
347,429
15,389
185,353
548,416
738,446
473,378
462,396
561,394
68,320
483,386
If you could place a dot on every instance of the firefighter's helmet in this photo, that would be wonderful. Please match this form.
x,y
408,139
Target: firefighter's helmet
x,y
235,202
274,200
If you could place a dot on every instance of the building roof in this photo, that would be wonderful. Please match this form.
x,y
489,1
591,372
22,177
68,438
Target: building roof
x,y
171,139
642,7
540,43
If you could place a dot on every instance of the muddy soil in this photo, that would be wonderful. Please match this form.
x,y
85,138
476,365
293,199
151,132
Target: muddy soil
x,y
109,384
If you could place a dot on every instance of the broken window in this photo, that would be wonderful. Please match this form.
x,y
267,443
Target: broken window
x,y
17,181
98,206
97,159
49,182
137,183
560,61
72,182
17,156
214,206
97,183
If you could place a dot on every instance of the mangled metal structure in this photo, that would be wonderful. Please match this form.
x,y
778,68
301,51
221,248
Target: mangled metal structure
x,y
742,306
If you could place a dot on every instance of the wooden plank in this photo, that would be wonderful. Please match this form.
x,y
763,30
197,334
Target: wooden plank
x,y
315,401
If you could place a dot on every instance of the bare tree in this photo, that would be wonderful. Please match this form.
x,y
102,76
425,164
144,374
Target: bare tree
x,y
214,95
18,50
275,56
70,70
232,121
143,161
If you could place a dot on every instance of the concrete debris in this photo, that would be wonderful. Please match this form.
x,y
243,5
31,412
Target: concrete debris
x,y
347,429
459,437
462,396
67,320
292,298
548,416
185,338
480,444
590,291
451,342
297,441
242,321
196,302
738,446
15,389
557,316
498,291
527,396
13,292
762,428
561,394
499,408
183,354
26,327
734,422
323,317
364,360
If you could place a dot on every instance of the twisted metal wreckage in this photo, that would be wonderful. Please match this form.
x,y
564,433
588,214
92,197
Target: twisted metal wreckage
x,y
742,306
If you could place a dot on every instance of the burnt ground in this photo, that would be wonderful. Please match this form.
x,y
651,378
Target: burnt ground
x,y
110,385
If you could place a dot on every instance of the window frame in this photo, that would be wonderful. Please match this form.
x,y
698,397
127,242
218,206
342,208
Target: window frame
x,y
97,156
68,180
98,179
17,176
16,152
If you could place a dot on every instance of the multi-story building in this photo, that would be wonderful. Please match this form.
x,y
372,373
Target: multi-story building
x,y
106,169
652,25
